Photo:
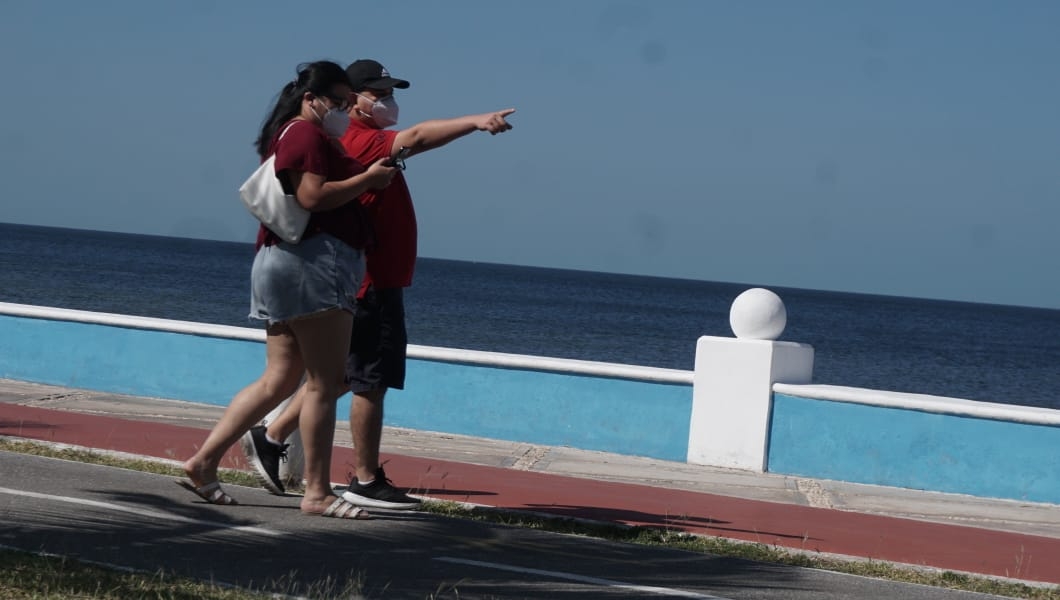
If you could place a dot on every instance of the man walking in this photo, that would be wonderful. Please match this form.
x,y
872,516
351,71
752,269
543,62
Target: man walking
x,y
377,356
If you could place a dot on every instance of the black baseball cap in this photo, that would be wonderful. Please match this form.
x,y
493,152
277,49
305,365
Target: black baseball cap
x,y
367,73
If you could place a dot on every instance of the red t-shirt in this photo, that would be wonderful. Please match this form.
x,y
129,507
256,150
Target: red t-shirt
x,y
392,259
305,147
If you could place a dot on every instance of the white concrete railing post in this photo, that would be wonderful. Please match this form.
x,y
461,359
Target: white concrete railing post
x,y
732,390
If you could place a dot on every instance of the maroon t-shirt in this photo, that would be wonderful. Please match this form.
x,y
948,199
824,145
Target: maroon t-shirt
x,y
306,148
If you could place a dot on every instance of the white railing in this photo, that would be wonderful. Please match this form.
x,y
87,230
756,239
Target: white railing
x,y
923,403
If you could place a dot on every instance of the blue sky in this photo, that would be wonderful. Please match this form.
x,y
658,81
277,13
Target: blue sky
x,y
898,148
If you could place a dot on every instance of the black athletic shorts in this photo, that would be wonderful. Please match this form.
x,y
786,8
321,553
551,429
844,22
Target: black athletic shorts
x,y
379,342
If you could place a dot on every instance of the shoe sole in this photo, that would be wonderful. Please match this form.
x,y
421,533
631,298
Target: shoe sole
x,y
247,444
373,503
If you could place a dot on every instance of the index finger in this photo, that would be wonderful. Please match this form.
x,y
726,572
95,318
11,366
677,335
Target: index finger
x,y
505,112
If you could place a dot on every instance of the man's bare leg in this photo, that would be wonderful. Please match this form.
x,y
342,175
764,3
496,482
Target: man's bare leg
x,y
366,427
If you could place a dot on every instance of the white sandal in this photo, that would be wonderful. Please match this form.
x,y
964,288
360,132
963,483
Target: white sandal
x,y
341,509
211,492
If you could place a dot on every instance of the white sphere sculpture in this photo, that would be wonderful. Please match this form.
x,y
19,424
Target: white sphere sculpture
x,y
758,314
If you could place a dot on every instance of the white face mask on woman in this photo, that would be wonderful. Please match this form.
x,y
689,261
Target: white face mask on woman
x,y
384,111
335,122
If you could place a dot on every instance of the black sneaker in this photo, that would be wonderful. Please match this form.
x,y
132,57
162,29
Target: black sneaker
x,y
266,457
379,494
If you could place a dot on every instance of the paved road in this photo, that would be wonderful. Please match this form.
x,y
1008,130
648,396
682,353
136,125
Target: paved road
x,y
145,522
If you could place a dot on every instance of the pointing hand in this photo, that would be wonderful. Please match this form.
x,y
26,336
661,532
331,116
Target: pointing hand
x,y
495,122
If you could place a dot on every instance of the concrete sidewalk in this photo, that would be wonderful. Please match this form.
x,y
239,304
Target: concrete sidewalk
x,y
998,538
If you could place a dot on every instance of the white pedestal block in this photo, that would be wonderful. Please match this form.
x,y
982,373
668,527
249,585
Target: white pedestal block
x,y
732,397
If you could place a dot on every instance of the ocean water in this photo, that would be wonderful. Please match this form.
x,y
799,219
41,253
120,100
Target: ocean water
x,y
985,352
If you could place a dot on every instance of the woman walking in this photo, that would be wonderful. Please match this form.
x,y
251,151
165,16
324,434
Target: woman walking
x,y
304,292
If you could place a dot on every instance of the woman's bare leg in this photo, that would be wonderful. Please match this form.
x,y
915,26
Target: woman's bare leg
x,y
283,372
323,340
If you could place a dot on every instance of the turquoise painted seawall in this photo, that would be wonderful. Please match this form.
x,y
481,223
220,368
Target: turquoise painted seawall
x,y
127,360
924,443
622,409
555,408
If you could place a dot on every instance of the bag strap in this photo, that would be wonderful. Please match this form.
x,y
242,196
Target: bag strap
x,y
285,129
282,133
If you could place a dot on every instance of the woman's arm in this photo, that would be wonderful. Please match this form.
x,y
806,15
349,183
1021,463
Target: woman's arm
x,y
315,194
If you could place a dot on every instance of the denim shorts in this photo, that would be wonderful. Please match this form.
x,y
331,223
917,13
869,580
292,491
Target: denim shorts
x,y
289,281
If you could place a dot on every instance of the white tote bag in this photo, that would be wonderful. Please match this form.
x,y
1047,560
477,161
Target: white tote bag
x,y
264,197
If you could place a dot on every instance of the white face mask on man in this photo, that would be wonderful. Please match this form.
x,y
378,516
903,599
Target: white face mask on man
x,y
335,121
384,111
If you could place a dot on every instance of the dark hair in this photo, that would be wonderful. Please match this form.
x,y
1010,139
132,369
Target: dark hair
x,y
315,77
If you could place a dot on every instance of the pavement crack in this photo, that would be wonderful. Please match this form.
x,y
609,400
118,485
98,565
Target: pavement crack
x,y
816,495
53,397
530,458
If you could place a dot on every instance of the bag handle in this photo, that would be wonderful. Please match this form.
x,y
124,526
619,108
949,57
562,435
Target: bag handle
x,y
285,129
283,133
